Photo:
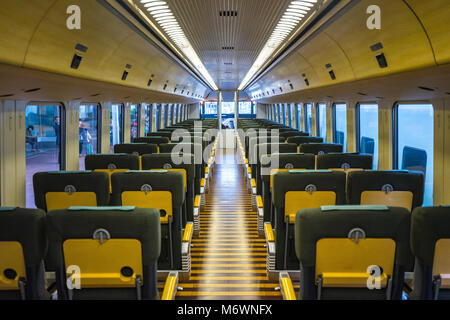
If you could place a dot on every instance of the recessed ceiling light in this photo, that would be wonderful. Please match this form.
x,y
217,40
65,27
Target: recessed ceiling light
x,y
294,14
160,12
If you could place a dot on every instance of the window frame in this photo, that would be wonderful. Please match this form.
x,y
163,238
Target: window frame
x,y
158,116
333,109
358,131
122,118
138,105
358,122
318,126
99,122
62,127
395,128
299,116
305,115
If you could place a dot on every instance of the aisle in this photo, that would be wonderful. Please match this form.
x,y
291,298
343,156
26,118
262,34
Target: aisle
x,y
228,257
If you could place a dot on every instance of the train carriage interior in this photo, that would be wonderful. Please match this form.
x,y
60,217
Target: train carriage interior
x,y
225,150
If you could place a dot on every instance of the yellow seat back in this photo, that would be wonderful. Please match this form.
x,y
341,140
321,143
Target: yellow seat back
x,y
392,199
298,200
11,259
64,200
346,263
161,200
101,264
441,262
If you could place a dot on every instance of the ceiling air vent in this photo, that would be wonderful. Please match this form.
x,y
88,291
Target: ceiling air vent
x,y
332,75
6,95
124,75
149,82
76,61
227,48
376,46
381,60
228,13
81,48
307,82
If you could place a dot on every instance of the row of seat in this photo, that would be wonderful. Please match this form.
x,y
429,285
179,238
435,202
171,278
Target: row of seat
x,y
106,212
363,252
294,190
101,252
346,226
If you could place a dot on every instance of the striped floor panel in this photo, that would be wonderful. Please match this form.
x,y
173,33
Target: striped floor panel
x,y
228,256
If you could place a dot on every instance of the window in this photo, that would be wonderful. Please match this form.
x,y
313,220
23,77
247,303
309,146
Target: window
x,y
284,108
228,109
116,125
175,113
414,141
245,107
157,117
44,146
308,119
280,114
209,110
367,130
275,113
299,117
340,124
164,115
88,131
171,112
134,111
290,115
148,117
322,121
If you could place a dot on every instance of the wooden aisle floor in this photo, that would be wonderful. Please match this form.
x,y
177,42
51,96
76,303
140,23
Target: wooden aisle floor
x,y
228,256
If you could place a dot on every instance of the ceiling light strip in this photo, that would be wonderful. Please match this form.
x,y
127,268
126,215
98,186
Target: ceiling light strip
x,y
294,14
160,12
